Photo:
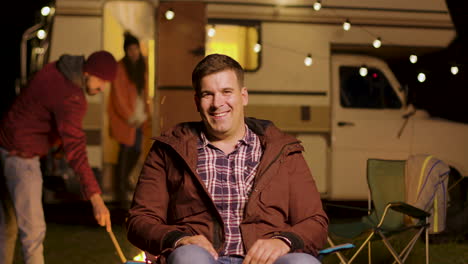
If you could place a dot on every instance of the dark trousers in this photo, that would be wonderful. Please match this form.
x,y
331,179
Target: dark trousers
x,y
128,158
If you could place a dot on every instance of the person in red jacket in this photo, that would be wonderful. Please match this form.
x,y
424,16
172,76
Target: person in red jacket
x,y
50,109
227,189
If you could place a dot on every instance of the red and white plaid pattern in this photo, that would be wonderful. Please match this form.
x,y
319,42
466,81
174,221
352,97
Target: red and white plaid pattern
x,y
229,179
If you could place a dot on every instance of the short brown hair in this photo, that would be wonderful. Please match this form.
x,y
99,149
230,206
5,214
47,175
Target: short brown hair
x,y
215,63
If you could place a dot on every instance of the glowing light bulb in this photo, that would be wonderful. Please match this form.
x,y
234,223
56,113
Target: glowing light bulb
x,y
377,43
45,11
347,25
41,34
170,14
363,71
257,48
308,60
211,32
317,5
413,58
140,257
454,70
421,77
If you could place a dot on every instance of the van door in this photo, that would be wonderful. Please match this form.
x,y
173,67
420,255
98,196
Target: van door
x,y
367,110
181,45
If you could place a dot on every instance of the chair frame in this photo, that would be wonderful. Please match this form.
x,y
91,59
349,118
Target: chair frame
x,y
399,258
405,209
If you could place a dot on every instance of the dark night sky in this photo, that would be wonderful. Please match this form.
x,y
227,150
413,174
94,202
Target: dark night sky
x,y
21,15
445,96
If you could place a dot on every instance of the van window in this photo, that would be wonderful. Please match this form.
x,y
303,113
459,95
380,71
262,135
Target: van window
x,y
236,41
370,91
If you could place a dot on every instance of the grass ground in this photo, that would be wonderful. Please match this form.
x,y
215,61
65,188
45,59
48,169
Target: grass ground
x,y
74,238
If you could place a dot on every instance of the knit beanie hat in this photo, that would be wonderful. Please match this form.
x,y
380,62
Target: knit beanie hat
x,y
101,64
129,39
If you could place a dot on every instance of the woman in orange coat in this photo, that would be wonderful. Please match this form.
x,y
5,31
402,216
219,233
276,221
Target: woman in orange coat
x,y
128,112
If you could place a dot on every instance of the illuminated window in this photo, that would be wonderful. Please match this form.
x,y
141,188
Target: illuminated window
x,y
235,40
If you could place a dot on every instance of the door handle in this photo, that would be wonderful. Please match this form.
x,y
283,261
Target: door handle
x,y
343,123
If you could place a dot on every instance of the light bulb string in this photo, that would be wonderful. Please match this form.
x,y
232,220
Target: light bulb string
x,y
303,54
369,32
294,51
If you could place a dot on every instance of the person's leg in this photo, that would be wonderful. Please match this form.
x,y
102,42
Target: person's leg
x,y
24,182
122,170
190,254
8,225
128,158
135,164
297,258
230,260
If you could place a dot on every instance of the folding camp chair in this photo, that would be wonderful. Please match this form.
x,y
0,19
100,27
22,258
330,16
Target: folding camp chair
x,y
386,213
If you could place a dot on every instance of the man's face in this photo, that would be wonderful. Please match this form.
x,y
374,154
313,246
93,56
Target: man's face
x,y
94,85
221,104
133,52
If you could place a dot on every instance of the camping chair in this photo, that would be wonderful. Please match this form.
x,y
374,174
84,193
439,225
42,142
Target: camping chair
x,y
386,181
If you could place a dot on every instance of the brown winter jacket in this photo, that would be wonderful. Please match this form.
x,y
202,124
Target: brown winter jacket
x,y
171,200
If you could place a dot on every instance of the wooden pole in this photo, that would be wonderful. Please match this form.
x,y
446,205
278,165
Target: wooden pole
x,y
117,246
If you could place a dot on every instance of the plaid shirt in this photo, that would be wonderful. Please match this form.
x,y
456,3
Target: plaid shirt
x,y
229,179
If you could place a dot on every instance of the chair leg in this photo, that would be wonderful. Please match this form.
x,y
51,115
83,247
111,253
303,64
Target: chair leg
x,y
389,247
361,247
427,240
369,252
407,250
342,258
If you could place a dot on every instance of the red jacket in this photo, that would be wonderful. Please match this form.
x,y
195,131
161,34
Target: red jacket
x,y
50,110
171,200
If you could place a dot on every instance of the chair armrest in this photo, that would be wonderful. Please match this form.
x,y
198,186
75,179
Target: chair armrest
x,y
409,210
336,248
405,209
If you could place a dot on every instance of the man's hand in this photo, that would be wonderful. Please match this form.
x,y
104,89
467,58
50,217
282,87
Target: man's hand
x,y
198,240
101,213
266,251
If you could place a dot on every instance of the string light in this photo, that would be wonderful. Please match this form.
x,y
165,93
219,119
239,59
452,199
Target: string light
x,y
45,11
308,60
363,71
211,31
317,5
347,25
41,34
377,43
454,70
257,48
170,14
421,77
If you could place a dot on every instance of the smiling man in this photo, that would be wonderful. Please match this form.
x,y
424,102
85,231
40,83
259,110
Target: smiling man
x,y
228,189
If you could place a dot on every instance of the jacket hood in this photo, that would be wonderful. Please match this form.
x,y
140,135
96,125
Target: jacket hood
x,y
72,68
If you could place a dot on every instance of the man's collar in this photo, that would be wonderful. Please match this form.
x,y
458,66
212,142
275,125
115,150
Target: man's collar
x,y
248,138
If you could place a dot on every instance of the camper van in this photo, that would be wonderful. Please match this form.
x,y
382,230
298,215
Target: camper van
x,y
309,68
